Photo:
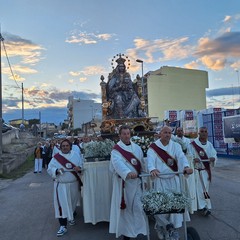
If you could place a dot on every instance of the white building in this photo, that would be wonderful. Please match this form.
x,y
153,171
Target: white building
x,y
82,111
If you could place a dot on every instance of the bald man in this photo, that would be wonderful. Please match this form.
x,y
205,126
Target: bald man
x,y
204,158
166,156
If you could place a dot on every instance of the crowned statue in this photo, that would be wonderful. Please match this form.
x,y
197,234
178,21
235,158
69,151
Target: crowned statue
x,y
121,95
122,100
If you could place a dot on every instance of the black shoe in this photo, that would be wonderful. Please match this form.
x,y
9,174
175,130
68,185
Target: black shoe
x,y
205,212
74,214
126,238
34,172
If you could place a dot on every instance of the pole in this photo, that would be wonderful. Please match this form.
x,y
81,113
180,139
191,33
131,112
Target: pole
x,y
233,95
1,120
143,83
22,106
40,127
238,86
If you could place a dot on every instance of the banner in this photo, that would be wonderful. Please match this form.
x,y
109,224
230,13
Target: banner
x,y
231,126
190,128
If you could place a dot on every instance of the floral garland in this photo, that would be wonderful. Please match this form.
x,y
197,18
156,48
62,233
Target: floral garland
x,y
98,148
143,142
155,202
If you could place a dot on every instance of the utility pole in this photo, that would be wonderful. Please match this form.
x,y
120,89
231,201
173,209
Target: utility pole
x,y
22,105
1,120
238,86
40,127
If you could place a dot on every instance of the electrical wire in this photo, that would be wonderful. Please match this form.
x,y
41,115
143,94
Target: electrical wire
x,y
1,39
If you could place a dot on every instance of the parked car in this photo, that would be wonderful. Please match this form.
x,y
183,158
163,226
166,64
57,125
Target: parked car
x,y
7,127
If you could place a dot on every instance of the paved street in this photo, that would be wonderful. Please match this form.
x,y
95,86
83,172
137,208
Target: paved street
x,y
26,209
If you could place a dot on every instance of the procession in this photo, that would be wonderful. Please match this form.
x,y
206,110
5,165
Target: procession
x,y
120,180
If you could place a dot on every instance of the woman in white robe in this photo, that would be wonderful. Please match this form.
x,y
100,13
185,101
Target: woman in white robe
x,y
66,185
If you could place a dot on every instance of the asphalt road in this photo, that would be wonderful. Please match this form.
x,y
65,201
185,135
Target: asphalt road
x,y
26,210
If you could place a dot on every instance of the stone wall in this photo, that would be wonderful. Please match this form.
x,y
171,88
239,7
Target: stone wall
x,y
17,152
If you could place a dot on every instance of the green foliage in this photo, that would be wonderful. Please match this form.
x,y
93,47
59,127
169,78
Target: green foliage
x,y
33,121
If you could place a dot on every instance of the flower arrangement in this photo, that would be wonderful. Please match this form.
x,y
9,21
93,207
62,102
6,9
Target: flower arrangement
x,y
98,148
155,202
143,142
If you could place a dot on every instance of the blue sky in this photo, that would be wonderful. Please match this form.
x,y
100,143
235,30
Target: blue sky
x,y
61,47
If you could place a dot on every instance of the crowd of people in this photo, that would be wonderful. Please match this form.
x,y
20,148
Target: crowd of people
x,y
166,156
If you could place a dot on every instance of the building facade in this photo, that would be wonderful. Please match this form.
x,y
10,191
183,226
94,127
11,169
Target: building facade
x,y
82,111
173,88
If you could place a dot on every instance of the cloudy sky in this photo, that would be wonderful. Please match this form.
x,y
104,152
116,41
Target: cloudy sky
x,y
60,48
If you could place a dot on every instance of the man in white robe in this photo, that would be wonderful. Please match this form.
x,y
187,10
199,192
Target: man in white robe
x,y
167,223
202,169
127,217
66,184
190,181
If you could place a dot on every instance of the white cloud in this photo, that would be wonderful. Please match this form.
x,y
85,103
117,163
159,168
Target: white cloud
x,y
74,74
71,81
83,79
88,38
227,18
93,70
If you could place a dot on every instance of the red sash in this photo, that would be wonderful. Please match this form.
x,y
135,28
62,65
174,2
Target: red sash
x,y
131,158
63,161
203,156
168,159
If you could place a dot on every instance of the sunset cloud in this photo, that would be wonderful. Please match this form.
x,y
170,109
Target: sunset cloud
x,y
83,79
29,52
74,74
227,18
93,70
192,65
160,49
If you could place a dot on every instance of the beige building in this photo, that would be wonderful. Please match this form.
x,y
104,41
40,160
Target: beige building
x,y
173,88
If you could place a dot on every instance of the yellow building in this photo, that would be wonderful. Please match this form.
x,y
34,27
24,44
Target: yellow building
x,y
173,88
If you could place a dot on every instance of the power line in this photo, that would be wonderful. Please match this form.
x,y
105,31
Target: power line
x,y
9,63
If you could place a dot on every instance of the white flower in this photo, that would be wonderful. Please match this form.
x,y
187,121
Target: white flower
x,y
143,142
98,148
163,202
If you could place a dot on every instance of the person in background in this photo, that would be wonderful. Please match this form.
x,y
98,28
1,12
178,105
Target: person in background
x,y
64,168
22,127
166,156
127,217
190,181
48,154
204,158
181,139
43,155
56,147
38,158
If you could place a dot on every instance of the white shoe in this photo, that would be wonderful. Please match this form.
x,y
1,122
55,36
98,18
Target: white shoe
x,y
62,230
72,222
173,234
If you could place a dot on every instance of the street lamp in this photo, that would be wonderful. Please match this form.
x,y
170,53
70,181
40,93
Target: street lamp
x,y
141,61
238,85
